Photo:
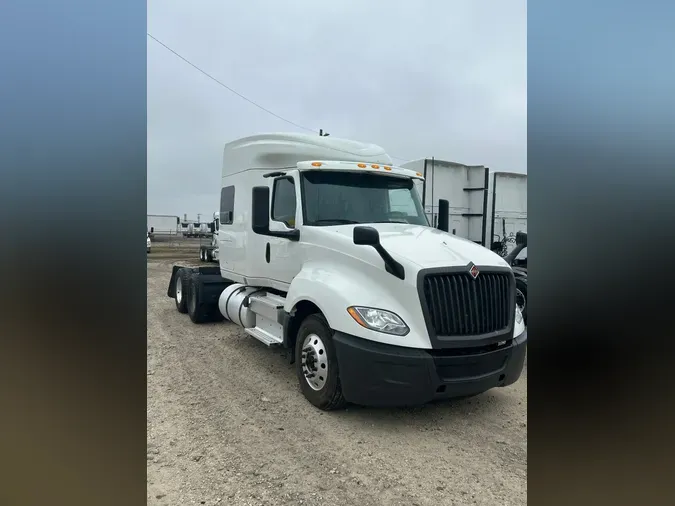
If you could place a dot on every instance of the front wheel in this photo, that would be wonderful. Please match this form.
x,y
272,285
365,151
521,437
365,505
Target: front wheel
x,y
316,364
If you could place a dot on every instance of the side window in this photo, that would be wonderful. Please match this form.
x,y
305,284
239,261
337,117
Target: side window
x,y
227,205
283,201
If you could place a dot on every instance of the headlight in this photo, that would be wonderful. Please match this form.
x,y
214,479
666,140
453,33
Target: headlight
x,y
379,320
519,316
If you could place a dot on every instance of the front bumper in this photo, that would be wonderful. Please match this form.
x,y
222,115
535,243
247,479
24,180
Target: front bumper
x,y
375,374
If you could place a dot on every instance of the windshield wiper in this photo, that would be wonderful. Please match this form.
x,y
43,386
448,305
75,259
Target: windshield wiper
x,y
337,221
391,221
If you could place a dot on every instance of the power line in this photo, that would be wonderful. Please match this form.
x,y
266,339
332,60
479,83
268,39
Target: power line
x,y
239,94
230,89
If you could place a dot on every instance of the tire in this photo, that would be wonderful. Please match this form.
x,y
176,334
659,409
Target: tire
x,y
521,287
198,312
201,255
209,255
329,395
182,283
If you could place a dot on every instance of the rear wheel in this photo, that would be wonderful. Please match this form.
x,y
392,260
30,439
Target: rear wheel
x,y
197,311
316,364
182,281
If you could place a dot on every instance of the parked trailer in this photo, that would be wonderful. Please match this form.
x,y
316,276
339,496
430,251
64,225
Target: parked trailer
x,y
507,208
472,192
163,224
325,250
463,186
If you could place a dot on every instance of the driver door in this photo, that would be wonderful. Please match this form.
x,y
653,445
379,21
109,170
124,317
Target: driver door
x,y
283,255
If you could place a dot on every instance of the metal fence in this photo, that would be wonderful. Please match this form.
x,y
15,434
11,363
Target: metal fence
x,y
175,240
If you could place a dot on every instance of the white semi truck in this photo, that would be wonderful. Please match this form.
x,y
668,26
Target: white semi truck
x,y
324,249
209,252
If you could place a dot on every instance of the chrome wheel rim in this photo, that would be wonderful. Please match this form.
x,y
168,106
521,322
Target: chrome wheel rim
x,y
179,290
314,362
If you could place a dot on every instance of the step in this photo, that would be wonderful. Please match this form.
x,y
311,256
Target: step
x,y
264,336
267,305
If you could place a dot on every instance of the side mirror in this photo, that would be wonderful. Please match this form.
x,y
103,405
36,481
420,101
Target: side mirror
x,y
366,236
443,215
521,239
260,212
369,236
212,227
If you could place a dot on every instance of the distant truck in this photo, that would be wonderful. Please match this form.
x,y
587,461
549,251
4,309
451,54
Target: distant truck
x,y
195,229
209,252
324,249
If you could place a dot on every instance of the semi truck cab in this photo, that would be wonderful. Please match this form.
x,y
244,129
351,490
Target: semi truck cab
x,y
324,249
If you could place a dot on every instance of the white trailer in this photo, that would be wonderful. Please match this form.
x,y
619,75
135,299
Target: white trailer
x,y
163,224
482,205
324,249
464,187
507,208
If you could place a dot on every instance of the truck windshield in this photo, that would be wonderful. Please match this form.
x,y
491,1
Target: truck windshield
x,y
334,198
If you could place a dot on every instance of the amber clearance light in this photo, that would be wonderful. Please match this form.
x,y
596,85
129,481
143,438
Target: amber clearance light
x,y
355,314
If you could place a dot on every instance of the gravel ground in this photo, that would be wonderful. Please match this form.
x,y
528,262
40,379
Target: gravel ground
x,y
228,425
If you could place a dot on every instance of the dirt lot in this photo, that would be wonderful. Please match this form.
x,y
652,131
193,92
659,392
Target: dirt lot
x,y
227,425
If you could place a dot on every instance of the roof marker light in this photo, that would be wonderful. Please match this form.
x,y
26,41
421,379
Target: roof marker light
x,y
316,164
375,166
387,168
362,165
419,174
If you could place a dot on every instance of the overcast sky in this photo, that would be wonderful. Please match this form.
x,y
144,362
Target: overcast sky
x,y
422,78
